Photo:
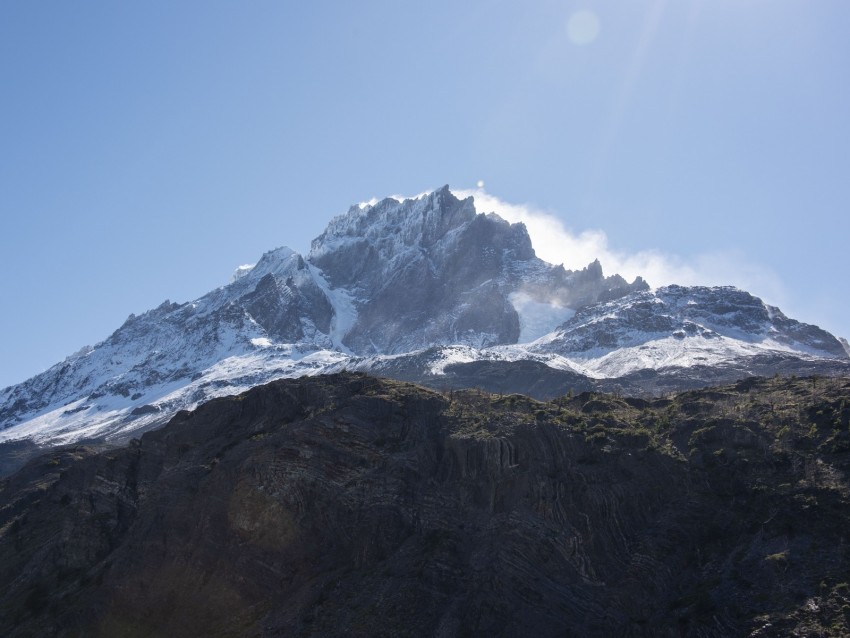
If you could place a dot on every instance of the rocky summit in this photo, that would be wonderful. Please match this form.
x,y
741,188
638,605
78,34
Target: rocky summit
x,y
427,289
346,505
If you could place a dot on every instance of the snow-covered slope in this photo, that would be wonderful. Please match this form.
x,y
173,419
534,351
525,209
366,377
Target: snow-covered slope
x,y
402,288
680,326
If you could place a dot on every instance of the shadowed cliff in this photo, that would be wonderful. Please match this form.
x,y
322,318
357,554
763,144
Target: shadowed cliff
x,y
348,505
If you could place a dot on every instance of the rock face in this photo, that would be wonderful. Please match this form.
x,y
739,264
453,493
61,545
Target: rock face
x,y
347,505
430,271
404,288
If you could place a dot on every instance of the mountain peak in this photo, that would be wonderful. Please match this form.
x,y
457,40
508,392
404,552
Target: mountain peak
x,y
594,269
392,225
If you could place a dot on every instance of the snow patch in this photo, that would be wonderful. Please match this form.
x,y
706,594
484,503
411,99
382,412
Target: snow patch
x,y
241,271
453,354
343,304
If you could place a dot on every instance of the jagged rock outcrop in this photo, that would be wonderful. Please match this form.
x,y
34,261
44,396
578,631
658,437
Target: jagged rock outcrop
x,y
430,271
347,505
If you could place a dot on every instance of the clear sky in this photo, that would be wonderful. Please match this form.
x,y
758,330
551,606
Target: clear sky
x,y
148,148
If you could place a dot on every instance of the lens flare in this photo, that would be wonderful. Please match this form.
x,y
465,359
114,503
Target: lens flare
x,y
583,27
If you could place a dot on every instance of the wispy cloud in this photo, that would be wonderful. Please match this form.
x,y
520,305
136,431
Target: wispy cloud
x,y
557,244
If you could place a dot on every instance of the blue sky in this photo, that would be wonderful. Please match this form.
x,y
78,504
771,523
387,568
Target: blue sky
x,y
147,149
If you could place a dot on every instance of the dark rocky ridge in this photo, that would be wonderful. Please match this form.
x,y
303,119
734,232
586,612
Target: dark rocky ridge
x,y
544,383
347,505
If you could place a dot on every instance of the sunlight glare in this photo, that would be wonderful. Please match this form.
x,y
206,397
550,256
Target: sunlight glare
x,y
583,27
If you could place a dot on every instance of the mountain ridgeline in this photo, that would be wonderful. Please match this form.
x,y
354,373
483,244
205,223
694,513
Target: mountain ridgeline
x,y
427,290
350,505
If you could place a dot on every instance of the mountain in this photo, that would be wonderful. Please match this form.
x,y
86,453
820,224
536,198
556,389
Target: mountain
x,y
425,289
349,505
431,271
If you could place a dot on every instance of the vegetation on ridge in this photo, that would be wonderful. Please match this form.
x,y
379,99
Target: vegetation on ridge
x,y
352,505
